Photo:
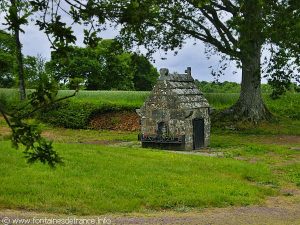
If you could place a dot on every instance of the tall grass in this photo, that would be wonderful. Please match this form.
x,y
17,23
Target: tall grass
x,y
221,100
9,95
124,98
287,105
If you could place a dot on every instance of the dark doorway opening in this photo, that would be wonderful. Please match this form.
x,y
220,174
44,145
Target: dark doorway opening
x,y
161,129
198,133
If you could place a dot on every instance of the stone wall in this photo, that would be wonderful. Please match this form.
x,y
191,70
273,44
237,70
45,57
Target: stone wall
x,y
176,101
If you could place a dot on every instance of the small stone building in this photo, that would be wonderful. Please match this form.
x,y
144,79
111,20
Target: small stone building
x,y
175,115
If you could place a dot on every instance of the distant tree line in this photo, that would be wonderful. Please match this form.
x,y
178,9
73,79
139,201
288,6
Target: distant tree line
x,y
233,87
106,66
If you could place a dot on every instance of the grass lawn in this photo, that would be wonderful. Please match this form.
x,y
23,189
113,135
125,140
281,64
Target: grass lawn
x,y
98,179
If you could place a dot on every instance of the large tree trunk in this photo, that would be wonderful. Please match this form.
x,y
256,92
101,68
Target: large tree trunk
x,y
19,56
20,67
250,105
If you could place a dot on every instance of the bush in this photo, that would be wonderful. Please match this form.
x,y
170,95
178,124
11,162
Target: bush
x,y
76,115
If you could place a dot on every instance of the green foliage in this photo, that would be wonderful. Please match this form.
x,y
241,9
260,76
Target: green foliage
x,y
217,87
145,74
17,14
106,66
7,78
288,105
232,87
68,114
284,66
45,93
87,103
77,112
34,70
37,148
236,31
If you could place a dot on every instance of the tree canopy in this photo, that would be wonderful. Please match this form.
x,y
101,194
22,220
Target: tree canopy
x,y
237,30
6,58
104,67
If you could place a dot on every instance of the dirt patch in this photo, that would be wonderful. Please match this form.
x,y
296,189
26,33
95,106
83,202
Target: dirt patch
x,y
282,139
4,132
123,121
100,142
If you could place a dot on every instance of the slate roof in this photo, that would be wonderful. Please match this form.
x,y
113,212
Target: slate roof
x,y
180,88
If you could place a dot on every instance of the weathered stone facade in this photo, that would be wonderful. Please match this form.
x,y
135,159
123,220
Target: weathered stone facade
x,y
175,115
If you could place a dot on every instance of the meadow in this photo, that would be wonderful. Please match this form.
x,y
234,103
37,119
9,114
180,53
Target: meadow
x,y
108,171
287,105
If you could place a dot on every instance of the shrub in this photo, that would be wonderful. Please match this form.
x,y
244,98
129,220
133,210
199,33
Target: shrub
x,y
76,115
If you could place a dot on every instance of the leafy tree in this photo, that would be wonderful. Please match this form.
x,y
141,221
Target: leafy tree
x,y
6,59
218,87
230,87
116,70
104,67
51,18
145,75
34,70
285,35
238,30
47,15
76,63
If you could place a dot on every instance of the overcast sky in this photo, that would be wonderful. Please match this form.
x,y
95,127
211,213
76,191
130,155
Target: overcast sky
x,y
35,42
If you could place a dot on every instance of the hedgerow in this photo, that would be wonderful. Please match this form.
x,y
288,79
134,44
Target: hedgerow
x,y
76,115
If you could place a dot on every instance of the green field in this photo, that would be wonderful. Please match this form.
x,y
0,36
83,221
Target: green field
x,y
136,98
288,105
76,112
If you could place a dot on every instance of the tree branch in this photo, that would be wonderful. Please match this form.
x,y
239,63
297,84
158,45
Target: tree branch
x,y
219,30
43,106
215,20
207,36
4,114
